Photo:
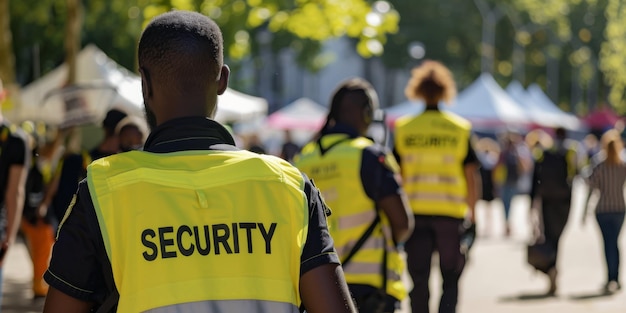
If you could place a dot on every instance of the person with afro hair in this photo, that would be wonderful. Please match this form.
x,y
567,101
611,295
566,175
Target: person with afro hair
x,y
439,169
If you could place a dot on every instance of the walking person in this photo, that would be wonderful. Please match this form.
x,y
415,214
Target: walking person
x,y
14,164
488,153
607,178
192,223
73,167
553,176
357,178
515,163
38,223
440,171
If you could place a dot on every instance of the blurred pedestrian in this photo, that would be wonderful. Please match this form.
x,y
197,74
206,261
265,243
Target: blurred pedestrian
x,y
488,153
515,164
440,172
73,167
592,148
357,178
255,145
193,224
608,178
289,148
38,225
553,176
131,133
14,164
537,140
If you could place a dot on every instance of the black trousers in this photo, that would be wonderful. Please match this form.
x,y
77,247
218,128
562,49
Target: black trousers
x,y
442,234
555,213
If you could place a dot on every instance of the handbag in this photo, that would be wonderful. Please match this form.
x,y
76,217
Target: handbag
x,y
541,255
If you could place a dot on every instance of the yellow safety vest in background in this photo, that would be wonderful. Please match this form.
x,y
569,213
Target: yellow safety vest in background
x,y
337,174
215,231
432,147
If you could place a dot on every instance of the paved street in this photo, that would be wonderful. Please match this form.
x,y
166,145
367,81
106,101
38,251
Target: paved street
x,y
497,279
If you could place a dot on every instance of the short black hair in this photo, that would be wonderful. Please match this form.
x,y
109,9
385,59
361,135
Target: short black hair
x,y
112,118
181,48
560,133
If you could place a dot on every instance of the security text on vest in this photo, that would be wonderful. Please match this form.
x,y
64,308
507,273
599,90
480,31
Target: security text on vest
x,y
170,242
437,141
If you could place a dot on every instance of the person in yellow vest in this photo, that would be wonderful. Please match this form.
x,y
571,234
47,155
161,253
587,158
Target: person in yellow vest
x,y
440,172
357,178
193,224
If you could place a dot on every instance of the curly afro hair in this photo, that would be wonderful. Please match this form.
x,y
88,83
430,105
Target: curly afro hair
x,y
432,82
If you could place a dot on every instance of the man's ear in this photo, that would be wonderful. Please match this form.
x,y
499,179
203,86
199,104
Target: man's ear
x,y
222,82
146,83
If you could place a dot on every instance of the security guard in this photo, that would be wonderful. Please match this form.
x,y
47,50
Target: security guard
x,y
439,170
192,224
357,179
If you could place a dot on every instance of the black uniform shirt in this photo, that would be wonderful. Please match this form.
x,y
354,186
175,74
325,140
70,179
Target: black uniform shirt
x,y
13,151
80,266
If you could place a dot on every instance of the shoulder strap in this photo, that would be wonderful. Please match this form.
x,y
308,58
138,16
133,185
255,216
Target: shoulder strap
x,y
109,303
324,150
368,232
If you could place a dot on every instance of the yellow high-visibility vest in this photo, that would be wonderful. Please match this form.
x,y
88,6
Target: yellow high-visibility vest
x,y
337,175
432,147
212,231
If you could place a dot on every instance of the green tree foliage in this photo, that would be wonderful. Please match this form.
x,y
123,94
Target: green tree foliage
x,y
613,54
582,41
300,24
38,28
115,25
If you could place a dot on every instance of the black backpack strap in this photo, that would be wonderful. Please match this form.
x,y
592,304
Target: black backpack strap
x,y
110,303
368,232
324,150
384,265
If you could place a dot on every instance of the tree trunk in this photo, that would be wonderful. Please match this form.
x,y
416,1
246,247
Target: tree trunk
x,y
7,59
72,38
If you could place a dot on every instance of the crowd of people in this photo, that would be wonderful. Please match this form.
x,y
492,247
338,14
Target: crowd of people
x,y
151,218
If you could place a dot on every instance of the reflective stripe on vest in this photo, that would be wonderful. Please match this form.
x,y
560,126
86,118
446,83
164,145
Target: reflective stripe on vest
x,y
337,174
228,306
201,226
432,147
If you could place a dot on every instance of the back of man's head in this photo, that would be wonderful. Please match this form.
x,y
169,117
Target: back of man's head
x,y
181,51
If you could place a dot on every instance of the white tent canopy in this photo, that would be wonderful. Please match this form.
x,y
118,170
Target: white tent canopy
x,y
483,102
407,108
540,108
235,106
549,112
102,84
487,105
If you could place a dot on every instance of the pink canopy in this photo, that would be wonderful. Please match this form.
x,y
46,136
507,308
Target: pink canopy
x,y
304,114
602,118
